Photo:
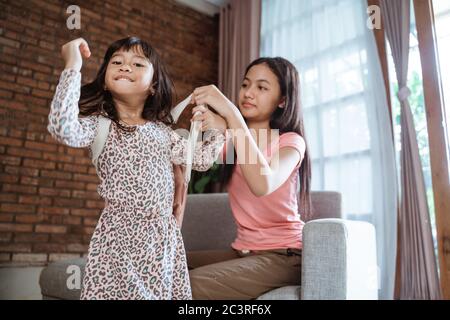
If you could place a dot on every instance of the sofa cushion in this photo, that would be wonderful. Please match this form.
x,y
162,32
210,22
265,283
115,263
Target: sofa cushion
x,y
283,293
63,279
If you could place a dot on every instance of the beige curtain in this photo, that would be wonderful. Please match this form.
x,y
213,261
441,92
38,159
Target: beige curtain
x,y
418,276
238,43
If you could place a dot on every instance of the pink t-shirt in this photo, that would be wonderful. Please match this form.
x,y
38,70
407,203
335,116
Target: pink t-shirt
x,y
271,221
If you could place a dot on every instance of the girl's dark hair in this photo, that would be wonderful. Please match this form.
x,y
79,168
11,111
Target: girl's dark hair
x,y
95,100
287,119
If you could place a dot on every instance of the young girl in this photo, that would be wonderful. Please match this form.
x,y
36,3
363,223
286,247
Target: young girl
x,y
263,195
136,251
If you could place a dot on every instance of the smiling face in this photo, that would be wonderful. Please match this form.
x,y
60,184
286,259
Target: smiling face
x,y
129,73
260,93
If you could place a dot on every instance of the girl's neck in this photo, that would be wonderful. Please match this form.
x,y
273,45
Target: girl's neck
x,y
129,111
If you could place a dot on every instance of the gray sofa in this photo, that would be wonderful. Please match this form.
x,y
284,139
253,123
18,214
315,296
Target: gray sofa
x,y
338,259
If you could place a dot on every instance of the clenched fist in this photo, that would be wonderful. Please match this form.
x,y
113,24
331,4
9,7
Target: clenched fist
x,y
73,53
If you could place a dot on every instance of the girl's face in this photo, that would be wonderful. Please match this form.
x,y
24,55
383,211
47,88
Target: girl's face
x,y
129,73
260,93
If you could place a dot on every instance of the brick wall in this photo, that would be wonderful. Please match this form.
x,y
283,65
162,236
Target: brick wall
x,y
49,204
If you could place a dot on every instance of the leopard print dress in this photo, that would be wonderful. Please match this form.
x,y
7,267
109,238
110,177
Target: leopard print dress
x,y
136,251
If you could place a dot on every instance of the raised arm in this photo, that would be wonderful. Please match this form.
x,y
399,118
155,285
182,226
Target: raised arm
x,y
63,121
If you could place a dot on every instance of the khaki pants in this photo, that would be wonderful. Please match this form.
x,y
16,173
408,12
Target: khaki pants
x,y
233,275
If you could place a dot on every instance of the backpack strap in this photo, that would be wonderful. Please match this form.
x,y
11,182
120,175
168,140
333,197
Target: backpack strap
x,y
100,140
194,132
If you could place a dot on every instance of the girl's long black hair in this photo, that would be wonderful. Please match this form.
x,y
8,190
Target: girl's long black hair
x,y
95,100
287,119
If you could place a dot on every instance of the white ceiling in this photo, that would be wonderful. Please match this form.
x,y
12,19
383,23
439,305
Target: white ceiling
x,y
209,7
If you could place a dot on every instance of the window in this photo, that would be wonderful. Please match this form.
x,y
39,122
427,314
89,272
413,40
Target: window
x,y
332,70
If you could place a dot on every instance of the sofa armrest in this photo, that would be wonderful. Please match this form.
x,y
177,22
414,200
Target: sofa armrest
x,y
339,260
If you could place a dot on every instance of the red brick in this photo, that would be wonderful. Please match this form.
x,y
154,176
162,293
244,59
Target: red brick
x,y
66,238
85,212
43,201
86,161
90,222
19,188
69,184
6,94
30,237
29,180
85,194
46,182
27,81
11,141
16,133
91,187
35,67
8,160
42,93
56,156
44,77
75,168
39,164
44,228
14,227
16,247
86,178
21,152
77,152
8,178
77,203
47,45
36,136
9,42
48,247
53,210
16,208
5,237
7,77
43,85
62,256
54,192
22,171
56,174
95,204
54,220
75,247
12,86
5,257
6,217
29,218
29,257
40,146
72,220
8,197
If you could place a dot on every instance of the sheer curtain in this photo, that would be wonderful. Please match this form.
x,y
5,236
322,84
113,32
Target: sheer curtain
x,y
345,107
